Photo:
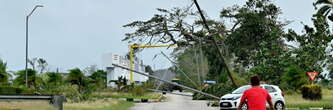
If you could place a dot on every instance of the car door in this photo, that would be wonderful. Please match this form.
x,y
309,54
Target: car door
x,y
272,92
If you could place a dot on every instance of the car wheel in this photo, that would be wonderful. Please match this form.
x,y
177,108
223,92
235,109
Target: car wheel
x,y
279,105
244,107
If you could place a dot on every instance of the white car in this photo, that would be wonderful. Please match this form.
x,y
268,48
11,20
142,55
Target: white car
x,y
231,101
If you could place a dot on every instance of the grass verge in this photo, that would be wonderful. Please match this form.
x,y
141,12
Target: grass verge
x,y
25,105
88,105
296,100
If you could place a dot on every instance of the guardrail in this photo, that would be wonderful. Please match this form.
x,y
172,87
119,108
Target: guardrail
x,y
56,101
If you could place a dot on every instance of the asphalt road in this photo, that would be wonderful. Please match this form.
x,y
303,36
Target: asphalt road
x,y
175,102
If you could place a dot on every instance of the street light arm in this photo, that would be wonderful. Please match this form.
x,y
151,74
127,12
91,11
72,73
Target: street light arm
x,y
33,10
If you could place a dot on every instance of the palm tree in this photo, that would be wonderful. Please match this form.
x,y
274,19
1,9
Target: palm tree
x,y
54,79
326,8
34,81
76,77
4,76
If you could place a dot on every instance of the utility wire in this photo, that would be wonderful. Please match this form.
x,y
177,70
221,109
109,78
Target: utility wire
x,y
169,82
195,84
214,42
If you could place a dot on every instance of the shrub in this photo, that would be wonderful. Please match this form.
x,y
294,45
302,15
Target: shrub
x,y
127,88
13,90
71,92
311,92
138,91
293,78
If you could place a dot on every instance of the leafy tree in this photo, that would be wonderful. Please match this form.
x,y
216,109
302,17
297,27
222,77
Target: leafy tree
x,y
99,78
167,27
216,71
189,56
312,54
176,26
4,76
294,78
256,38
325,9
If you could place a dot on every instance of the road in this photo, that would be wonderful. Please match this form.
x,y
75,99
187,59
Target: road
x,y
175,102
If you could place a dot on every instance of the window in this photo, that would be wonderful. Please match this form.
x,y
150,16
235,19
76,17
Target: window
x,y
270,89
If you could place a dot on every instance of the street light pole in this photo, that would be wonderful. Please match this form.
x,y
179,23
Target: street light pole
x,y
26,42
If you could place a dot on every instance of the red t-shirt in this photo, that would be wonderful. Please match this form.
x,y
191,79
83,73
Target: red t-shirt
x,y
256,98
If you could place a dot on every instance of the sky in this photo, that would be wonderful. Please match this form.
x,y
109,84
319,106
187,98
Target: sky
x,y
76,33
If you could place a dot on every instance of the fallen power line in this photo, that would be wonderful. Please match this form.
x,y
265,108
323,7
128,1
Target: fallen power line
x,y
176,65
169,82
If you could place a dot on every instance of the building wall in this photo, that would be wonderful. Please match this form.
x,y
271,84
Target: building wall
x,y
113,72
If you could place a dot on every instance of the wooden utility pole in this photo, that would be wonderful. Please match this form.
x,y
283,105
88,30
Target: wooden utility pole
x,y
169,82
132,63
215,44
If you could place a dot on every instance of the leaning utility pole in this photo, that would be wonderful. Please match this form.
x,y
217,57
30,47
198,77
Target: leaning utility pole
x,y
169,82
215,43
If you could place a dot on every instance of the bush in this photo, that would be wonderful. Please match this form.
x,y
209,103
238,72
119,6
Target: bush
x,y
13,90
311,92
216,89
293,78
71,92
138,91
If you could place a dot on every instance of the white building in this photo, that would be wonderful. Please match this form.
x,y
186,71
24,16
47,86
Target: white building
x,y
113,73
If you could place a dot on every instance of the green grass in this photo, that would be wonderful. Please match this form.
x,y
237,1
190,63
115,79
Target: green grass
x,y
88,105
25,105
296,100
99,105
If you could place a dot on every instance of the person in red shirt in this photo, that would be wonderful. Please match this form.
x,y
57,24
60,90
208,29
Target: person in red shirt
x,y
256,96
